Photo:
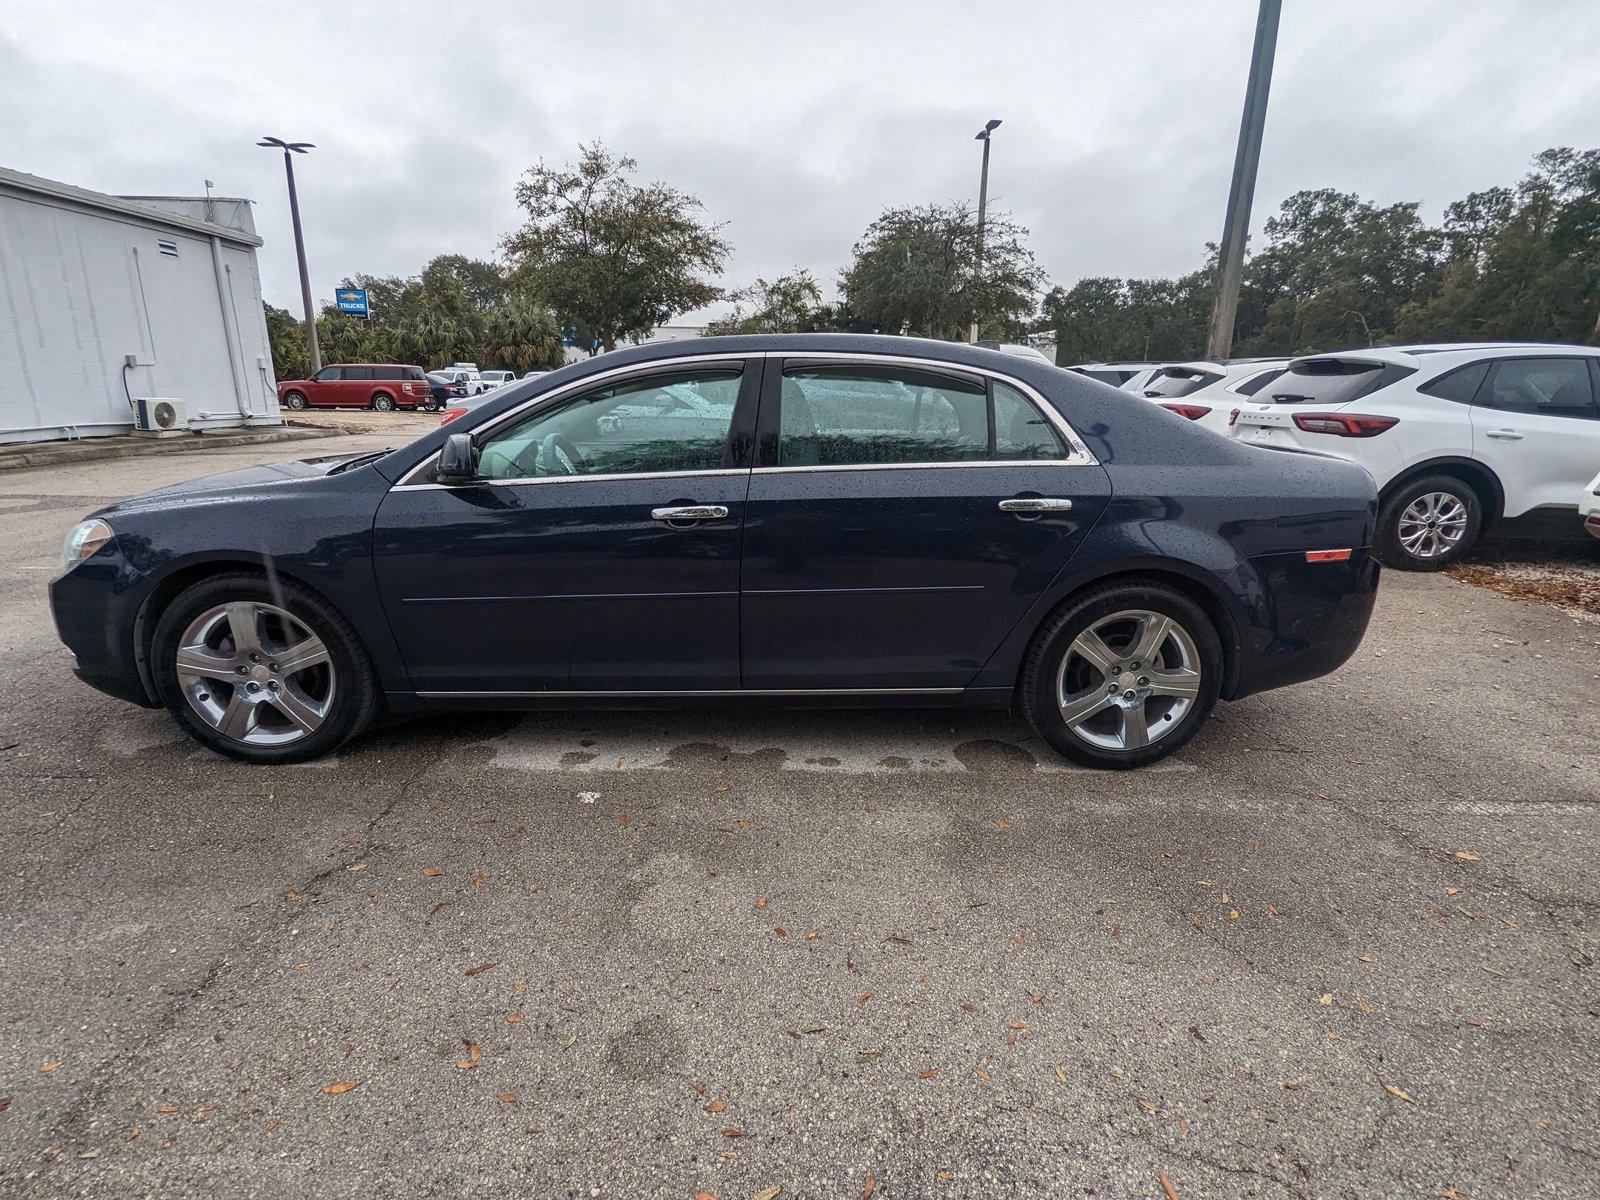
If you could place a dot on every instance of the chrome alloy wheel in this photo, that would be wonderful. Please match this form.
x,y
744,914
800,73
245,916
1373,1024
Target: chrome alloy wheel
x,y
1432,524
255,674
1127,681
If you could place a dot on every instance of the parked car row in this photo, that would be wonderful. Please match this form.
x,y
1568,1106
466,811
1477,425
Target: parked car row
x,y
1456,436
386,387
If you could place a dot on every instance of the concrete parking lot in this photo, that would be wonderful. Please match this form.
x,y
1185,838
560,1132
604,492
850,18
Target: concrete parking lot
x,y
1343,945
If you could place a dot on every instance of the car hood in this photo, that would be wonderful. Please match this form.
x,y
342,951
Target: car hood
x,y
231,485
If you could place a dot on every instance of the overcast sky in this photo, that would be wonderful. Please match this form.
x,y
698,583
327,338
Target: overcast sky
x,y
796,124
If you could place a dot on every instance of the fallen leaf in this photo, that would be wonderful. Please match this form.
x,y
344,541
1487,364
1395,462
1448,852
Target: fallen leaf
x,y
474,1053
48,1067
622,818
1020,940
340,1088
1452,891
1399,1093
930,1073
1019,1026
508,1097
1149,1107
1001,823
167,1108
481,968
1061,1076
1233,914
704,1195
945,1176
356,867
437,908
733,1133
1274,911
700,1089
1363,1006
870,1186
1471,1024
478,880
432,872
983,1075
133,1133
761,901
716,1106
767,1194
1325,999
864,997
1183,1124
1167,1186
969,1007
1465,856
781,931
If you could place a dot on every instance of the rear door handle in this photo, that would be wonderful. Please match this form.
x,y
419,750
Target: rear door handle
x,y
1035,504
690,512
1505,435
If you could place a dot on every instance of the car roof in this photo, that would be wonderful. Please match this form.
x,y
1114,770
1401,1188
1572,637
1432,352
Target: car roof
x,y
1439,354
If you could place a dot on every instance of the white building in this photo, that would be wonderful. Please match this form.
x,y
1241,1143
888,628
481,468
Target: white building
x,y
107,300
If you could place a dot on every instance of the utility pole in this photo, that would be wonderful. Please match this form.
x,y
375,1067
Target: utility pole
x,y
289,148
983,206
1241,192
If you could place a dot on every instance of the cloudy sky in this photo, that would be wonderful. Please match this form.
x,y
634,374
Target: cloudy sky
x,y
796,124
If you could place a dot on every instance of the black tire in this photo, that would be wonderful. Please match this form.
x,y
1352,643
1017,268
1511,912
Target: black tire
x,y
383,402
295,400
354,701
1393,551
1042,670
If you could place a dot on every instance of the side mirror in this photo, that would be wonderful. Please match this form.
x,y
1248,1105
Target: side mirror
x,y
457,461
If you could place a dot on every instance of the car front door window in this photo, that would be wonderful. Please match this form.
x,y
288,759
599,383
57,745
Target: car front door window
x,y
662,423
1554,387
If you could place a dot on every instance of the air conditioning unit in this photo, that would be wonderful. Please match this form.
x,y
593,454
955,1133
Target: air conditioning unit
x,y
155,416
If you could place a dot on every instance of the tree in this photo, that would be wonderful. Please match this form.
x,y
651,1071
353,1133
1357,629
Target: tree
x,y
788,304
612,257
291,359
914,270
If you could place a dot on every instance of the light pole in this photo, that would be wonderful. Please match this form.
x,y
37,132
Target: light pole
x,y
289,149
1236,227
983,205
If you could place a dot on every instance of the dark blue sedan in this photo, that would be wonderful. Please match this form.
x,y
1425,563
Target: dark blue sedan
x,y
820,519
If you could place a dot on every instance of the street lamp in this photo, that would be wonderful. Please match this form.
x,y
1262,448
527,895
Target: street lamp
x,y
983,204
289,149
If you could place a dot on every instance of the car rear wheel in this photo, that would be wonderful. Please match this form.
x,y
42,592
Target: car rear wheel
x,y
260,673
1429,524
295,400
383,402
1122,676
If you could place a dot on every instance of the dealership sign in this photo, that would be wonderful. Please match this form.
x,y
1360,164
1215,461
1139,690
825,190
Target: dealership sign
x,y
352,301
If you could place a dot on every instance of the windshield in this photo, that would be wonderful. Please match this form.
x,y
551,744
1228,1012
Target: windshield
x,y
1178,381
1327,381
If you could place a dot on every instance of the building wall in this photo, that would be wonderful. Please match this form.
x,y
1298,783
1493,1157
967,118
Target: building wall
x,y
81,289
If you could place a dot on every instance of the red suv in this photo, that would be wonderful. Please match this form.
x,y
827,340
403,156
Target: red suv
x,y
383,386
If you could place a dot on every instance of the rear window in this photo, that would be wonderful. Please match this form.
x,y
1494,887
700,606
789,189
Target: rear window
x,y
1330,381
1170,382
1256,382
1114,378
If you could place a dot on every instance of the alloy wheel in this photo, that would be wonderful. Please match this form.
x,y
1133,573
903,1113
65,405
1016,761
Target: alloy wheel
x,y
1432,525
255,674
1128,680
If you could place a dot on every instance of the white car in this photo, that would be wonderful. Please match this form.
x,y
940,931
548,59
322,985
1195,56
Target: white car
x,y
1019,350
535,375
463,377
1456,436
1208,392
1589,506
494,379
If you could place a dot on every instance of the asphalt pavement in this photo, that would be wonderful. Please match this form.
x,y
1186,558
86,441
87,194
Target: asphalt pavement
x,y
1342,945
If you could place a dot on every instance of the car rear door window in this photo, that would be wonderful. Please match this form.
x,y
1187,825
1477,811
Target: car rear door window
x,y
360,374
1256,382
849,416
662,423
1554,387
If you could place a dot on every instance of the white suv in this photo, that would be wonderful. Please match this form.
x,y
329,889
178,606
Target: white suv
x,y
1208,392
1456,436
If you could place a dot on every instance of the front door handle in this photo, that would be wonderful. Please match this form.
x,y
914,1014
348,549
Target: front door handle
x,y
690,512
1035,504
1505,435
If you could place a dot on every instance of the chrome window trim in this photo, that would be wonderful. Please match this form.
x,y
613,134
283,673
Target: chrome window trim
x,y
669,693
1078,454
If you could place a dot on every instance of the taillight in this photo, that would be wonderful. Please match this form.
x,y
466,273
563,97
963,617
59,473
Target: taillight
x,y
450,414
1191,412
1344,424
1233,418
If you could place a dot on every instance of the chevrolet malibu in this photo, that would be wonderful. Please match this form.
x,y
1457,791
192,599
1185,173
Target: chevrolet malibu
x,y
807,519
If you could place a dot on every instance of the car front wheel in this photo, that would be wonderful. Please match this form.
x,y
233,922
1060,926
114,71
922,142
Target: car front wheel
x,y
260,673
1429,524
1122,676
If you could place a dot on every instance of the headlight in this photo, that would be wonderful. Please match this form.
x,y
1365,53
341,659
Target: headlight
x,y
86,537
